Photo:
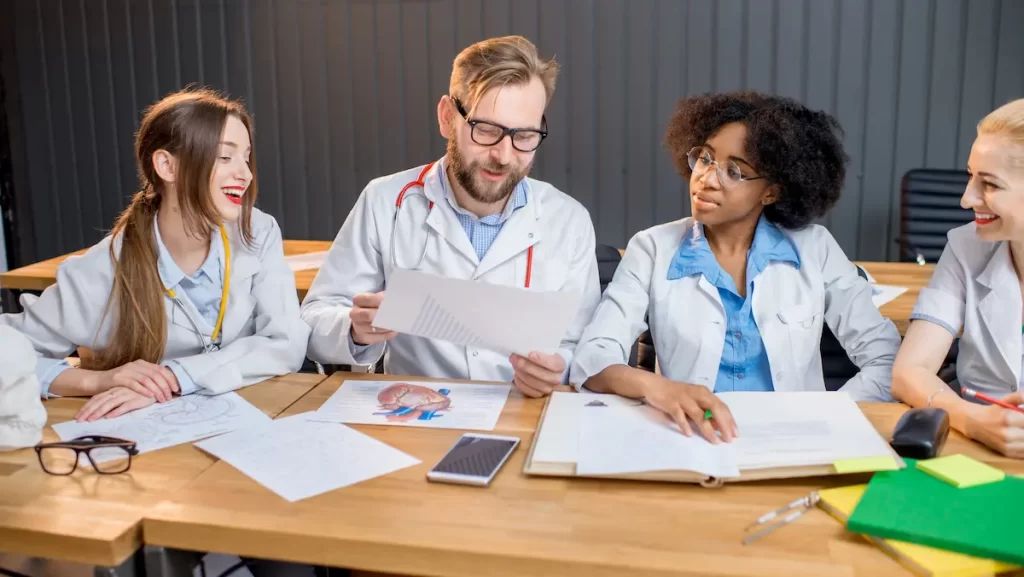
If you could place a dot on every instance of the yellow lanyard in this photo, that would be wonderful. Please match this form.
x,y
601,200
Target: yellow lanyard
x,y
226,284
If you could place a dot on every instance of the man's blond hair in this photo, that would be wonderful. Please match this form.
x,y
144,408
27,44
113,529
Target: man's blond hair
x,y
499,62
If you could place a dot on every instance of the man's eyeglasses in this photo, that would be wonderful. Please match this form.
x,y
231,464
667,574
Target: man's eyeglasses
x,y
729,173
108,455
488,134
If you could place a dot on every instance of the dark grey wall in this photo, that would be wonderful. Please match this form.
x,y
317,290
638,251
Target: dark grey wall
x,y
343,91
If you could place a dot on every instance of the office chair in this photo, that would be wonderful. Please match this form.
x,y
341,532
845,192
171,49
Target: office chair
x,y
930,208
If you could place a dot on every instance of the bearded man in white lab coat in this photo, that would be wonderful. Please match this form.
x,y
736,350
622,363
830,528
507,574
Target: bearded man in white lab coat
x,y
473,214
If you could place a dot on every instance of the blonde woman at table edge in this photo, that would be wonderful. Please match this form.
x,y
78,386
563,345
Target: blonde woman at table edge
x,y
977,287
738,294
190,292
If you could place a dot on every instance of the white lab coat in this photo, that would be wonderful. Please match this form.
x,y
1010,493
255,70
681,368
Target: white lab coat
x,y
974,288
557,226
688,324
22,415
263,335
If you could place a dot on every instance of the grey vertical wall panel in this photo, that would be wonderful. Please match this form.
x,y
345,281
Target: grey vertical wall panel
x,y
62,126
317,142
730,47
791,55
344,188
441,44
390,112
123,105
912,103
761,39
581,77
641,125
294,171
343,91
611,109
950,22
1009,68
669,65
419,104
553,161
850,112
978,86
880,131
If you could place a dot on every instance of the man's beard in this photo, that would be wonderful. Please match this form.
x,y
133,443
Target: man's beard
x,y
490,193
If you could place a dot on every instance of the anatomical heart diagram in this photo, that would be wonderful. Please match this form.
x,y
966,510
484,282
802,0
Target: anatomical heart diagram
x,y
407,402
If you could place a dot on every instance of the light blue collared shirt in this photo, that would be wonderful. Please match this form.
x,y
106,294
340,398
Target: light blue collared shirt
x,y
203,288
483,231
744,365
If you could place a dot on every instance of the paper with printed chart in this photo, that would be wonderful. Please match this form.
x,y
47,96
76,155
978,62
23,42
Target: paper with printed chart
x,y
181,420
298,458
306,261
476,314
440,405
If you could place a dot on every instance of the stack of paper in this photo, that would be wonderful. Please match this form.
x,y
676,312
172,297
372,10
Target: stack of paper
x,y
298,458
586,434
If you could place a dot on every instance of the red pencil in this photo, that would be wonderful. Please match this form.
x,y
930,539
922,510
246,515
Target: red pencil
x,y
994,401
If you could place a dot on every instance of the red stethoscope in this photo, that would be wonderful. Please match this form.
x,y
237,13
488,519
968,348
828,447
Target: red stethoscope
x,y
398,208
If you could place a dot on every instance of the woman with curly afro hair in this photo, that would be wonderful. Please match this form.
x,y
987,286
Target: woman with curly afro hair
x,y
736,295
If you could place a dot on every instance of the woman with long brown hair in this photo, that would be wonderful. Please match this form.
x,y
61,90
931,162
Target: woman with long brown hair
x,y
190,292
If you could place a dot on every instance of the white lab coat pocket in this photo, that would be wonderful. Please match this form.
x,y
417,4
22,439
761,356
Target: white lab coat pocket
x,y
803,325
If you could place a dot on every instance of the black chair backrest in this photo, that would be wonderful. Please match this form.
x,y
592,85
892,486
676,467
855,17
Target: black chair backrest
x,y
930,209
608,259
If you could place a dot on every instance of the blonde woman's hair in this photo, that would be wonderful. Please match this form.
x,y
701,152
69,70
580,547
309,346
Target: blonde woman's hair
x,y
499,62
1008,121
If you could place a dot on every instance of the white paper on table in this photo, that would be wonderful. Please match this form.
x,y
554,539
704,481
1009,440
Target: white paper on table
x,y
558,439
438,405
617,440
477,314
882,294
800,428
181,420
298,458
306,261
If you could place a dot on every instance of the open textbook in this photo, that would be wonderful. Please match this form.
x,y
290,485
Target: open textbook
x,y
781,435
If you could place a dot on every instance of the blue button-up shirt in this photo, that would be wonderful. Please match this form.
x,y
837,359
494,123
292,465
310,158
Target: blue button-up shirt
x,y
744,365
483,231
203,288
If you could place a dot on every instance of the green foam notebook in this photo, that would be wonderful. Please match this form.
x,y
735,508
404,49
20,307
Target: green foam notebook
x,y
911,505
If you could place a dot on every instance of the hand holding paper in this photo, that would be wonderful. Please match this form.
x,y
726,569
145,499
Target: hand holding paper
x,y
538,374
473,313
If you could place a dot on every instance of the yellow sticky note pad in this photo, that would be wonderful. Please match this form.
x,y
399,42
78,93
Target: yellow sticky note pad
x,y
866,465
961,471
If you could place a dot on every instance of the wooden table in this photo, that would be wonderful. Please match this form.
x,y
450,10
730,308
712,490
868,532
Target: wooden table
x,y
521,525
96,519
911,275
38,276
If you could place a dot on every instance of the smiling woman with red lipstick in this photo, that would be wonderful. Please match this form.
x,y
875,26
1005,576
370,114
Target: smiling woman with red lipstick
x,y
190,292
975,293
736,295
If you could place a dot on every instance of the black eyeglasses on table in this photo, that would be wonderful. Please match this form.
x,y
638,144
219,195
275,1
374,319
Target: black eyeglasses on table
x,y
108,455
